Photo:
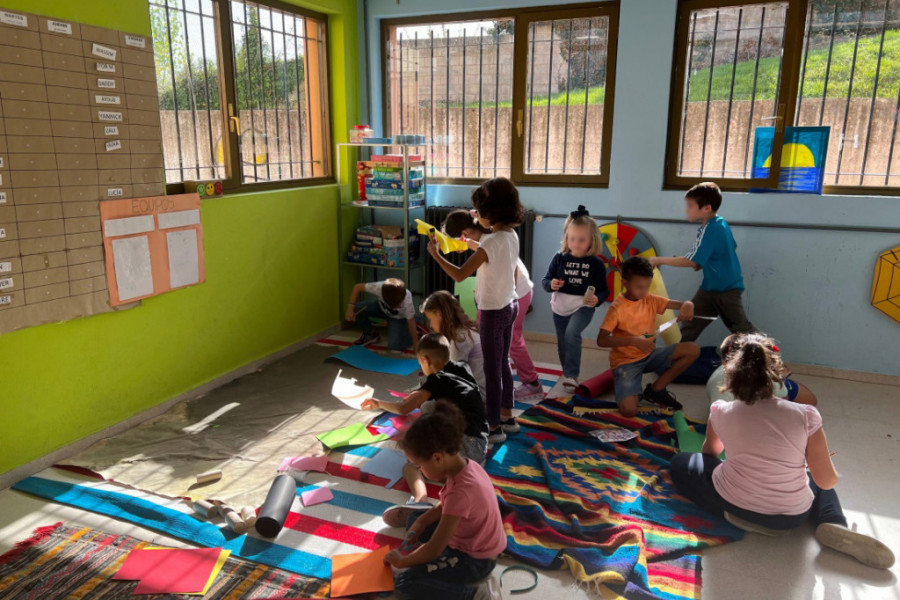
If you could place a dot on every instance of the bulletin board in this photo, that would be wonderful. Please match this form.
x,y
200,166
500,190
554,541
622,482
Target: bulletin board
x,y
79,126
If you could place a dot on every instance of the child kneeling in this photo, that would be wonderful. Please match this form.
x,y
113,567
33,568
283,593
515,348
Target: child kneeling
x,y
460,538
445,380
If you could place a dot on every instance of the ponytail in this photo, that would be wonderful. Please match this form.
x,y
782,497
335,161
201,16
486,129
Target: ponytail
x,y
752,368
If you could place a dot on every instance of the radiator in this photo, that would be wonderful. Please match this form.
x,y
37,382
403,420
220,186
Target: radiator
x,y
436,279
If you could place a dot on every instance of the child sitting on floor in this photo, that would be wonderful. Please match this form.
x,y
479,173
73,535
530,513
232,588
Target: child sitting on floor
x,y
463,535
394,303
445,380
764,486
628,329
446,316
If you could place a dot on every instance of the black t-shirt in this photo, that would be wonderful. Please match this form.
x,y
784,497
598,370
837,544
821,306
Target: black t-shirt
x,y
455,383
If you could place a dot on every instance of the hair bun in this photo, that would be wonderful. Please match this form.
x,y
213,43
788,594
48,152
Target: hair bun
x,y
581,212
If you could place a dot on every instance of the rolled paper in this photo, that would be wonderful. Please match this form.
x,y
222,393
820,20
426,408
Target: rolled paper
x,y
207,509
595,386
277,505
234,520
248,514
209,476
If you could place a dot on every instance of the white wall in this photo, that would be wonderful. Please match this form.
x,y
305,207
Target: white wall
x,y
810,289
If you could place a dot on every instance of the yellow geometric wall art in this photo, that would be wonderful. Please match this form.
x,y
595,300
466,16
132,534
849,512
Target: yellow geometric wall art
x,y
886,284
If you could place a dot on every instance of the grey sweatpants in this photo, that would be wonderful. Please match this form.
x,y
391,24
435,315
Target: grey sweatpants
x,y
724,304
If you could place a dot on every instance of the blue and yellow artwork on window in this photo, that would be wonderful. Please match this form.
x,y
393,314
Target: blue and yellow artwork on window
x,y
802,158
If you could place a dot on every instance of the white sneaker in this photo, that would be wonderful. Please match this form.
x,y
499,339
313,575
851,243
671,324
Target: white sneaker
x,y
570,385
398,515
489,589
863,548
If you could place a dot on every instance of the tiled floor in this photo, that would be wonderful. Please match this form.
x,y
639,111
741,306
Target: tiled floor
x,y
862,422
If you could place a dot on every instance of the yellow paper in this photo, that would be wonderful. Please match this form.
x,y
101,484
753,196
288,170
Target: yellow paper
x,y
446,243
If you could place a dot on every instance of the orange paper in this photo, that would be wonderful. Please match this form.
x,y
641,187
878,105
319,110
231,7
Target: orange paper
x,y
361,573
153,245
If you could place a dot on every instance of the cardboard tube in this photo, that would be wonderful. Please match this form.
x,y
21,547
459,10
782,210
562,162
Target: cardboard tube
x,y
248,514
209,476
207,509
234,520
597,385
277,505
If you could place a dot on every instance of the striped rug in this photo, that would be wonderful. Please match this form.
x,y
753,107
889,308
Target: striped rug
x,y
60,562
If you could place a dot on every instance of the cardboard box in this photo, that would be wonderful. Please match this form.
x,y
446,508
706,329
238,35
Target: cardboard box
x,y
110,115
46,277
7,214
77,178
87,286
79,256
61,44
146,146
145,190
3,146
21,38
55,27
76,161
86,270
144,117
9,248
9,283
65,78
139,42
148,175
11,300
66,95
46,293
42,245
147,161
29,179
31,162
63,145
136,102
100,35
38,229
12,20
14,90
101,50
17,55
140,87
38,195
22,109
112,177
82,225
27,126
70,112
38,262
143,73
38,212
30,144
114,160
9,231
63,62
136,56
73,210
96,66
84,240
109,84
22,74
111,146
10,266
111,131
145,132
112,100
70,129
117,192
80,193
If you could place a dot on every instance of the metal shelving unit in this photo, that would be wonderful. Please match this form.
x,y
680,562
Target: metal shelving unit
x,y
367,214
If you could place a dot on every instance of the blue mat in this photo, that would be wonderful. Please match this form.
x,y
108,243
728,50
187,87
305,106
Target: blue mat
x,y
363,358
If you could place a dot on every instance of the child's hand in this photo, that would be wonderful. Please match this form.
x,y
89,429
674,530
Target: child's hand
x,y
591,300
370,404
350,315
432,249
654,261
645,344
555,284
394,558
686,313
472,244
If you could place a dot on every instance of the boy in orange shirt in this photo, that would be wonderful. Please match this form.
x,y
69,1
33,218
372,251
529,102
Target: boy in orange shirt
x,y
628,329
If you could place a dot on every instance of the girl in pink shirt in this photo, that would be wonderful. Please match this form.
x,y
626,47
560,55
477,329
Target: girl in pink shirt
x,y
765,486
457,542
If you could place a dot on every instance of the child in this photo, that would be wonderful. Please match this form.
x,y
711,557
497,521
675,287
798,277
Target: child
x,y
445,380
462,536
460,223
574,269
497,204
447,317
394,303
715,253
629,330
764,485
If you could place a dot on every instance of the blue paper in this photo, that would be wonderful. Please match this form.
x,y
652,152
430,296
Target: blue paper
x,y
387,464
363,358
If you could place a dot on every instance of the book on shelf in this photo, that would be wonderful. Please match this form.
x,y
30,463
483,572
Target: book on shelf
x,y
395,158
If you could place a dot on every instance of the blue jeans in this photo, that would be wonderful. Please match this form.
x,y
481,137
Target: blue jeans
x,y
568,339
398,329
692,476
451,576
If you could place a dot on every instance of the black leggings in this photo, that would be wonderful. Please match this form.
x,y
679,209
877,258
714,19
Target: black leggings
x,y
692,475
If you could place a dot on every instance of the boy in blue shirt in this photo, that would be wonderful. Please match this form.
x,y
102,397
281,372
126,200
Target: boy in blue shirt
x,y
715,251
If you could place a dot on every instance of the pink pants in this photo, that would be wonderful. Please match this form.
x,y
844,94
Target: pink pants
x,y
518,352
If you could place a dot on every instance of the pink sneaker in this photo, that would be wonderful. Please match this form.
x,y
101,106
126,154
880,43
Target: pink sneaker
x,y
529,392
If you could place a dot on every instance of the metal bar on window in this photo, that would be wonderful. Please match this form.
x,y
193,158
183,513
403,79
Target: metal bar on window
x,y
549,83
193,101
462,120
212,152
400,70
762,22
712,68
587,86
865,159
480,93
174,93
263,99
309,115
431,72
249,88
447,103
687,92
530,96
828,65
568,76
806,45
274,94
299,102
890,158
496,96
840,157
734,61
287,100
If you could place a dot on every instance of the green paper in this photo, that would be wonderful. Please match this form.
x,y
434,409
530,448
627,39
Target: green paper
x,y
688,439
351,435
466,292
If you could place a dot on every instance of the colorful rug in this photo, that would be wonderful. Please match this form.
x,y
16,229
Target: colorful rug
x,y
607,511
63,561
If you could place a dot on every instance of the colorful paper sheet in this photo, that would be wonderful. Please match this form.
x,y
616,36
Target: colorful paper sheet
x,y
347,391
363,358
304,463
361,573
387,464
351,435
319,495
446,243
173,570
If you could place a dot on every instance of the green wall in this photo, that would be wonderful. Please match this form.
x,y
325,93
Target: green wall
x,y
271,269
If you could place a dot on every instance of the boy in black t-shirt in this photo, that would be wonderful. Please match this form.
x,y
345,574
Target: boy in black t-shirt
x,y
445,380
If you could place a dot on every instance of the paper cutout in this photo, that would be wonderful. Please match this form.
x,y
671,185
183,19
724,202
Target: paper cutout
x,y
446,243
886,283
173,570
397,394
363,358
402,422
346,390
361,573
387,464
352,435
388,431
304,463
614,434
315,496
142,258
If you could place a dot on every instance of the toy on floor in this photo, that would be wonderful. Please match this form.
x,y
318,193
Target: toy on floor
x,y
596,385
276,507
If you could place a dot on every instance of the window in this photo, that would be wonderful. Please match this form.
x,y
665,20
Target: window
x,y
243,92
745,65
522,94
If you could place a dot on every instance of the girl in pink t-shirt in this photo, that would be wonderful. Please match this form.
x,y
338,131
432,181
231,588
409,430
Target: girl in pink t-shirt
x,y
456,543
764,486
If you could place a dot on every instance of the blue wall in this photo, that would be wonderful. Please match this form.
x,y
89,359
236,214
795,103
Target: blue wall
x,y
810,289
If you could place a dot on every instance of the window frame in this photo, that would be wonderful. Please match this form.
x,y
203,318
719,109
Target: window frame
x,y
222,17
522,17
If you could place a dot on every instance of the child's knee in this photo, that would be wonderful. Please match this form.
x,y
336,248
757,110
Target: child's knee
x,y
629,406
690,349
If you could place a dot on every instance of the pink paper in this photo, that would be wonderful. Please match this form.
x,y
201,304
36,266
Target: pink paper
x,y
304,463
316,496
169,570
402,422
388,431
397,394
